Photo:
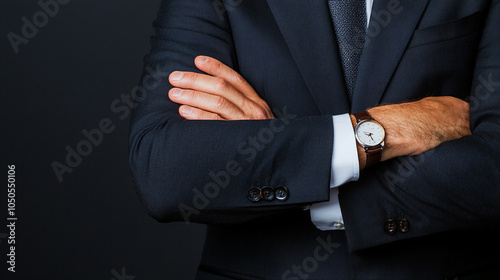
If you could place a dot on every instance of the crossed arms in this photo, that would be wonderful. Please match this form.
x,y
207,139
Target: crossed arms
x,y
411,128
173,160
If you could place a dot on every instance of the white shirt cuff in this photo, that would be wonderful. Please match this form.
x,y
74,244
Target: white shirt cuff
x,y
345,168
345,162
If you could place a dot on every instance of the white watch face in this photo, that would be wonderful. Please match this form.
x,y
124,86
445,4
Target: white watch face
x,y
370,133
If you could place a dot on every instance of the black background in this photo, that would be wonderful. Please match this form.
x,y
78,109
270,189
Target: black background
x,y
91,225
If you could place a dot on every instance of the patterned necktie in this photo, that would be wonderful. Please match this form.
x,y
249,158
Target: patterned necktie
x,y
349,21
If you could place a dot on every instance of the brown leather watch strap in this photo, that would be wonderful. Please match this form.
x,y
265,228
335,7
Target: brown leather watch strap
x,y
361,116
373,156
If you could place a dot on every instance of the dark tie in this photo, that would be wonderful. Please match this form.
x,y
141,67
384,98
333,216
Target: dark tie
x,y
349,21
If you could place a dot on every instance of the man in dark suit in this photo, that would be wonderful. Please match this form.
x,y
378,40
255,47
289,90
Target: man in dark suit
x,y
267,180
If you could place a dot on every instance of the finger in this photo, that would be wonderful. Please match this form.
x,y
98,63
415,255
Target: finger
x,y
191,113
209,84
216,68
206,102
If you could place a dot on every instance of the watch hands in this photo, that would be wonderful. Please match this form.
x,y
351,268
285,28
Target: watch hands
x,y
369,134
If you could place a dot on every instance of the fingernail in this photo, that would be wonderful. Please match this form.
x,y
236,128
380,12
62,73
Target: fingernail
x,y
176,76
202,60
176,92
186,110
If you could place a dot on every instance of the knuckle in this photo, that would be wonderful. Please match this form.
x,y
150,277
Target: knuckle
x,y
239,79
220,84
191,77
189,95
260,115
201,115
258,111
204,116
217,67
220,103
195,115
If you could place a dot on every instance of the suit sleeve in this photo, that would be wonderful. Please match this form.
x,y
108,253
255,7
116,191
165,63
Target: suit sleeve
x,y
201,171
455,186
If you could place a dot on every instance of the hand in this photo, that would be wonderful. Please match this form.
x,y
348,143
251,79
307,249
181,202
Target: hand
x,y
415,127
221,95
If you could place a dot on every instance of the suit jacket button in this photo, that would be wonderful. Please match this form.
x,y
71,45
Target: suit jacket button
x,y
254,194
281,193
403,225
268,193
390,227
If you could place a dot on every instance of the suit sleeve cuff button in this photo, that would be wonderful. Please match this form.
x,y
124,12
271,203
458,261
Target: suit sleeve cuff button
x,y
281,193
254,194
268,193
403,225
390,226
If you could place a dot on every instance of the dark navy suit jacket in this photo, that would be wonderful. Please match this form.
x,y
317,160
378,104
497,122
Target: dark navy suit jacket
x,y
201,171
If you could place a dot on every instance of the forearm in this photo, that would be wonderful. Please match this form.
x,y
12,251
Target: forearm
x,y
209,166
412,128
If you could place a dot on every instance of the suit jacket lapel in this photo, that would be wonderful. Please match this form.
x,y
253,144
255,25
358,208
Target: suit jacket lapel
x,y
308,32
386,42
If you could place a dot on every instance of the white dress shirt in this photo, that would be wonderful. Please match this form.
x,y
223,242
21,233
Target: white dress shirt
x,y
345,166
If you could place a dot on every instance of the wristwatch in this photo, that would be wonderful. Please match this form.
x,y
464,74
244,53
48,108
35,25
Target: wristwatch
x,y
370,134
